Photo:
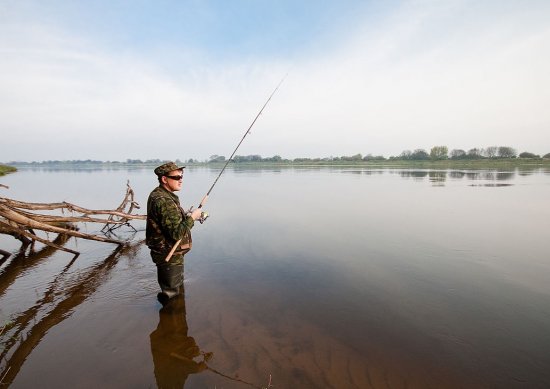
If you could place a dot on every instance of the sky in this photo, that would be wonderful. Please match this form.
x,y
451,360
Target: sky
x,y
117,80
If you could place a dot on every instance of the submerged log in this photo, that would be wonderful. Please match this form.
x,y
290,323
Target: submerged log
x,y
19,219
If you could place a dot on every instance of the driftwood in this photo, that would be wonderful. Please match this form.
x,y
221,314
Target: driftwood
x,y
20,220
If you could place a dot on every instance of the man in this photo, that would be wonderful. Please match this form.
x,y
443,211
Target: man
x,y
168,225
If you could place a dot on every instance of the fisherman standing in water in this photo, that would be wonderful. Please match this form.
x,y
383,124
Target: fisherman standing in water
x,y
168,225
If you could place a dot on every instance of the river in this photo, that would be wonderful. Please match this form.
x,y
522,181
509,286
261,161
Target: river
x,y
300,278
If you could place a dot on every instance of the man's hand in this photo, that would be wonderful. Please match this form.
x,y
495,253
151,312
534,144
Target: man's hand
x,y
196,213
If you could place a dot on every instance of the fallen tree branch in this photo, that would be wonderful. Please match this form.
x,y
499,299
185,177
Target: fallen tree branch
x,y
67,206
37,238
128,199
18,220
66,220
31,223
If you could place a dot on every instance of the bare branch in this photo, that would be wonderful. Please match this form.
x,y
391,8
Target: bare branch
x,y
34,237
68,206
18,219
30,223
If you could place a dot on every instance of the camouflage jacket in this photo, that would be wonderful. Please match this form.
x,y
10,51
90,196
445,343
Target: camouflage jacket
x,y
167,223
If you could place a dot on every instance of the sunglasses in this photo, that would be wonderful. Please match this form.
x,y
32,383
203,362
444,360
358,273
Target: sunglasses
x,y
177,178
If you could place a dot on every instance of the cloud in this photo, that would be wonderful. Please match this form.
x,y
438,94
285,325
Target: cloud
x,y
426,76
425,73
69,98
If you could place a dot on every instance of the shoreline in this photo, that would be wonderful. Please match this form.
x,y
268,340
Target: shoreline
x,y
5,169
476,164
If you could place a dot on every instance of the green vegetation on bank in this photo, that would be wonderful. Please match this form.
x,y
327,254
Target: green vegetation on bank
x,y
496,163
6,169
438,157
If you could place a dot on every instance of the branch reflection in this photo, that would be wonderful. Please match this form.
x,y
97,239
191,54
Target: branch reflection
x,y
58,303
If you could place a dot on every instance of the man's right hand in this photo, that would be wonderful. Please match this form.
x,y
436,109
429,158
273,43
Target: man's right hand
x,y
196,213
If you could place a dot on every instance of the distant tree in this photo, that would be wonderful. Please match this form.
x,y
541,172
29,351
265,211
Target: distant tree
x,y
491,151
439,152
216,158
526,154
247,158
475,153
405,154
370,157
506,152
420,155
458,154
356,157
546,155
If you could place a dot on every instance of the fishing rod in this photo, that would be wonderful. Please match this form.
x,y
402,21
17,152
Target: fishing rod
x,y
203,201
204,215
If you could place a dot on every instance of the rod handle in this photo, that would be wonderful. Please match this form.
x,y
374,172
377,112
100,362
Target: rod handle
x,y
174,247
203,201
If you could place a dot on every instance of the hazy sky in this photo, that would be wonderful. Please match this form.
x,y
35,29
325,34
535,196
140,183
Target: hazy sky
x,y
113,80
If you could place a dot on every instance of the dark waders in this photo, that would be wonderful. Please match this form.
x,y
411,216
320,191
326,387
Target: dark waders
x,y
169,275
170,278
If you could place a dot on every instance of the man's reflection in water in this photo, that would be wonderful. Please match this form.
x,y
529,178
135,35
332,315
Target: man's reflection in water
x,y
174,352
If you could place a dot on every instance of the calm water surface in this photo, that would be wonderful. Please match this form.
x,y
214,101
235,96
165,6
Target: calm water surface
x,y
310,278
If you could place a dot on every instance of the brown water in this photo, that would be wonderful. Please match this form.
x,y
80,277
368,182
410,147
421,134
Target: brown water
x,y
305,278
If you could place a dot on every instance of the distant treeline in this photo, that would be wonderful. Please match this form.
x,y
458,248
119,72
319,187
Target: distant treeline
x,y
442,152
91,162
436,153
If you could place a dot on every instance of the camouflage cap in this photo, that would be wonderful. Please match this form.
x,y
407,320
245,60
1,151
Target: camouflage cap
x,y
167,168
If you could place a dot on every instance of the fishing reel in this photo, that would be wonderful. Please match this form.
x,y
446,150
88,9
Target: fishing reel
x,y
203,217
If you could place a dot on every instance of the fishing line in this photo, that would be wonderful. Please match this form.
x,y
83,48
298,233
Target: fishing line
x,y
204,215
203,201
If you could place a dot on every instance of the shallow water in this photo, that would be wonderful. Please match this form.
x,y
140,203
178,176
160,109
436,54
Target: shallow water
x,y
310,278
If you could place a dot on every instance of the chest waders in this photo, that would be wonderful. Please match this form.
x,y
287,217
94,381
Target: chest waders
x,y
170,278
170,272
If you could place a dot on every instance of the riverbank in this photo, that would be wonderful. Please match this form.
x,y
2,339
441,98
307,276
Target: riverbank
x,y
4,169
474,164
406,164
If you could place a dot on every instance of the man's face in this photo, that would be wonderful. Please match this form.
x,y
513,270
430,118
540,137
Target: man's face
x,y
173,180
